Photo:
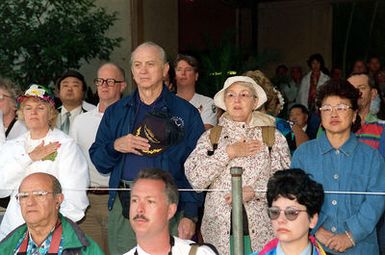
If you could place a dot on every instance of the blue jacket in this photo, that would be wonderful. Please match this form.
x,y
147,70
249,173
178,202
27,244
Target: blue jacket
x,y
353,167
118,121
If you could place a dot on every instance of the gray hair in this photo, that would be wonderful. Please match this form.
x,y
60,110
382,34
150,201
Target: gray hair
x,y
162,52
12,88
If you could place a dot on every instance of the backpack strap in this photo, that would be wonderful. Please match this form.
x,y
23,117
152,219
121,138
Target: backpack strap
x,y
194,249
268,136
215,134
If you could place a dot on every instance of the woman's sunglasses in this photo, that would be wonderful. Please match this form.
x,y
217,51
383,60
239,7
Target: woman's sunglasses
x,y
290,213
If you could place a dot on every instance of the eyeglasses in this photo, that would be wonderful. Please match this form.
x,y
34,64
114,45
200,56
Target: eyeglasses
x,y
340,108
242,95
2,97
40,196
110,82
290,212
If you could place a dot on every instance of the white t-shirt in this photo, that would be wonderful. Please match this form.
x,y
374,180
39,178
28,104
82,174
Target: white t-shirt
x,y
83,130
181,247
206,108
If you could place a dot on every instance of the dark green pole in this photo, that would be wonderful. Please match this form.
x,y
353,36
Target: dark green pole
x,y
237,216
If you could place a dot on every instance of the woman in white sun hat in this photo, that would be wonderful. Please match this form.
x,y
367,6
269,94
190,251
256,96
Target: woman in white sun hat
x,y
240,144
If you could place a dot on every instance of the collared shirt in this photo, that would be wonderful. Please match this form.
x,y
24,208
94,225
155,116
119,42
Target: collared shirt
x,y
353,167
83,130
206,108
372,132
62,115
34,249
181,247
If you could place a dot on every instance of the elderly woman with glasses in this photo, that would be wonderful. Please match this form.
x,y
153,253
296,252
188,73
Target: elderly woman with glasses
x,y
10,127
337,160
294,202
240,144
42,149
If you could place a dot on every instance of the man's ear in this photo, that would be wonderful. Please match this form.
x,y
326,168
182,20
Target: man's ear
x,y
166,67
171,210
373,93
59,200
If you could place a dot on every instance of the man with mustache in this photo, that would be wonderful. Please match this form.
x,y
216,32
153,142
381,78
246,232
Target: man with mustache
x,y
154,201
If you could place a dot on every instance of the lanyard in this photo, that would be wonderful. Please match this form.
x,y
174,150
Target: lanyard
x,y
172,242
55,242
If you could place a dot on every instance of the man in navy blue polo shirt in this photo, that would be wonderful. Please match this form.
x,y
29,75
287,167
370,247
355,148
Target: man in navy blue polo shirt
x,y
151,128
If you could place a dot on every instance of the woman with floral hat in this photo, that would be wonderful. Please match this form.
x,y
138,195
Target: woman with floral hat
x,y
42,149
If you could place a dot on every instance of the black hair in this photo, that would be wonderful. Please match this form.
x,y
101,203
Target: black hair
x,y
300,106
317,57
342,89
296,184
171,189
72,73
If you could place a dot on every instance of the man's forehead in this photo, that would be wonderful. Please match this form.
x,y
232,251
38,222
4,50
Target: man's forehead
x,y
357,80
146,53
71,79
36,183
148,187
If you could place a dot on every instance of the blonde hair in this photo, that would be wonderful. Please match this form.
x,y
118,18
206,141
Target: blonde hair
x,y
272,104
52,112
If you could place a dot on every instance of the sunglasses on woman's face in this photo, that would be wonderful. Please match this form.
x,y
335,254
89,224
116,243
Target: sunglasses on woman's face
x,y
290,212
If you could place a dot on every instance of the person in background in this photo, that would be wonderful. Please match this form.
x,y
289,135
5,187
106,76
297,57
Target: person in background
x,y
374,66
300,131
42,149
46,230
240,144
154,201
337,160
380,80
359,66
150,128
311,81
72,87
110,83
186,76
294,202
372,130
336,73
10,127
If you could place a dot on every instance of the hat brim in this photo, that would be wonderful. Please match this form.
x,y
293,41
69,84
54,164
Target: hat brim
x,y
48,100
219,98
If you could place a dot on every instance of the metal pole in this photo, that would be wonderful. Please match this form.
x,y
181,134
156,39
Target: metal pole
x,y
237,216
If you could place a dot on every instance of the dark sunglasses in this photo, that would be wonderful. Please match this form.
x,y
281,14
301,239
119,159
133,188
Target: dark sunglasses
x,y
290,213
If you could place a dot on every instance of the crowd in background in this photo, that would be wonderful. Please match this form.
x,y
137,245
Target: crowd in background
x,y
328,124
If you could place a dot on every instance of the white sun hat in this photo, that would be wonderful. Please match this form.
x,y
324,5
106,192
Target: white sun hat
x,y
219,98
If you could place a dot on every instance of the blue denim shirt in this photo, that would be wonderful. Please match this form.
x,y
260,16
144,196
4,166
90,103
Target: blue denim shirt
x,y
353,167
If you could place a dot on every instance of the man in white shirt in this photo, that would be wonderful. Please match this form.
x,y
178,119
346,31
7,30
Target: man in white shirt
x,y
186,75
110,83
72,87
154,200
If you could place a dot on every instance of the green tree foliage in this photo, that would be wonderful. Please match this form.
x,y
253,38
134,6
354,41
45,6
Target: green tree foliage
x,y
42,38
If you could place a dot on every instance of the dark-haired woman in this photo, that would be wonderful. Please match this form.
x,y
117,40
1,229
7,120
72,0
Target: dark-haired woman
x,y
311,81
294,202
337,160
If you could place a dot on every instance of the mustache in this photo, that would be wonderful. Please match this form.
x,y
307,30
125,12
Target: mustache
x,y
140,217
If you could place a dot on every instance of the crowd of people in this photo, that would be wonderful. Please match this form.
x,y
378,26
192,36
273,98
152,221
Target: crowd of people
x,y
85,179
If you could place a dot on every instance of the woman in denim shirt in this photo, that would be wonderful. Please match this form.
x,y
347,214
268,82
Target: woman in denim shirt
x,y
347,222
